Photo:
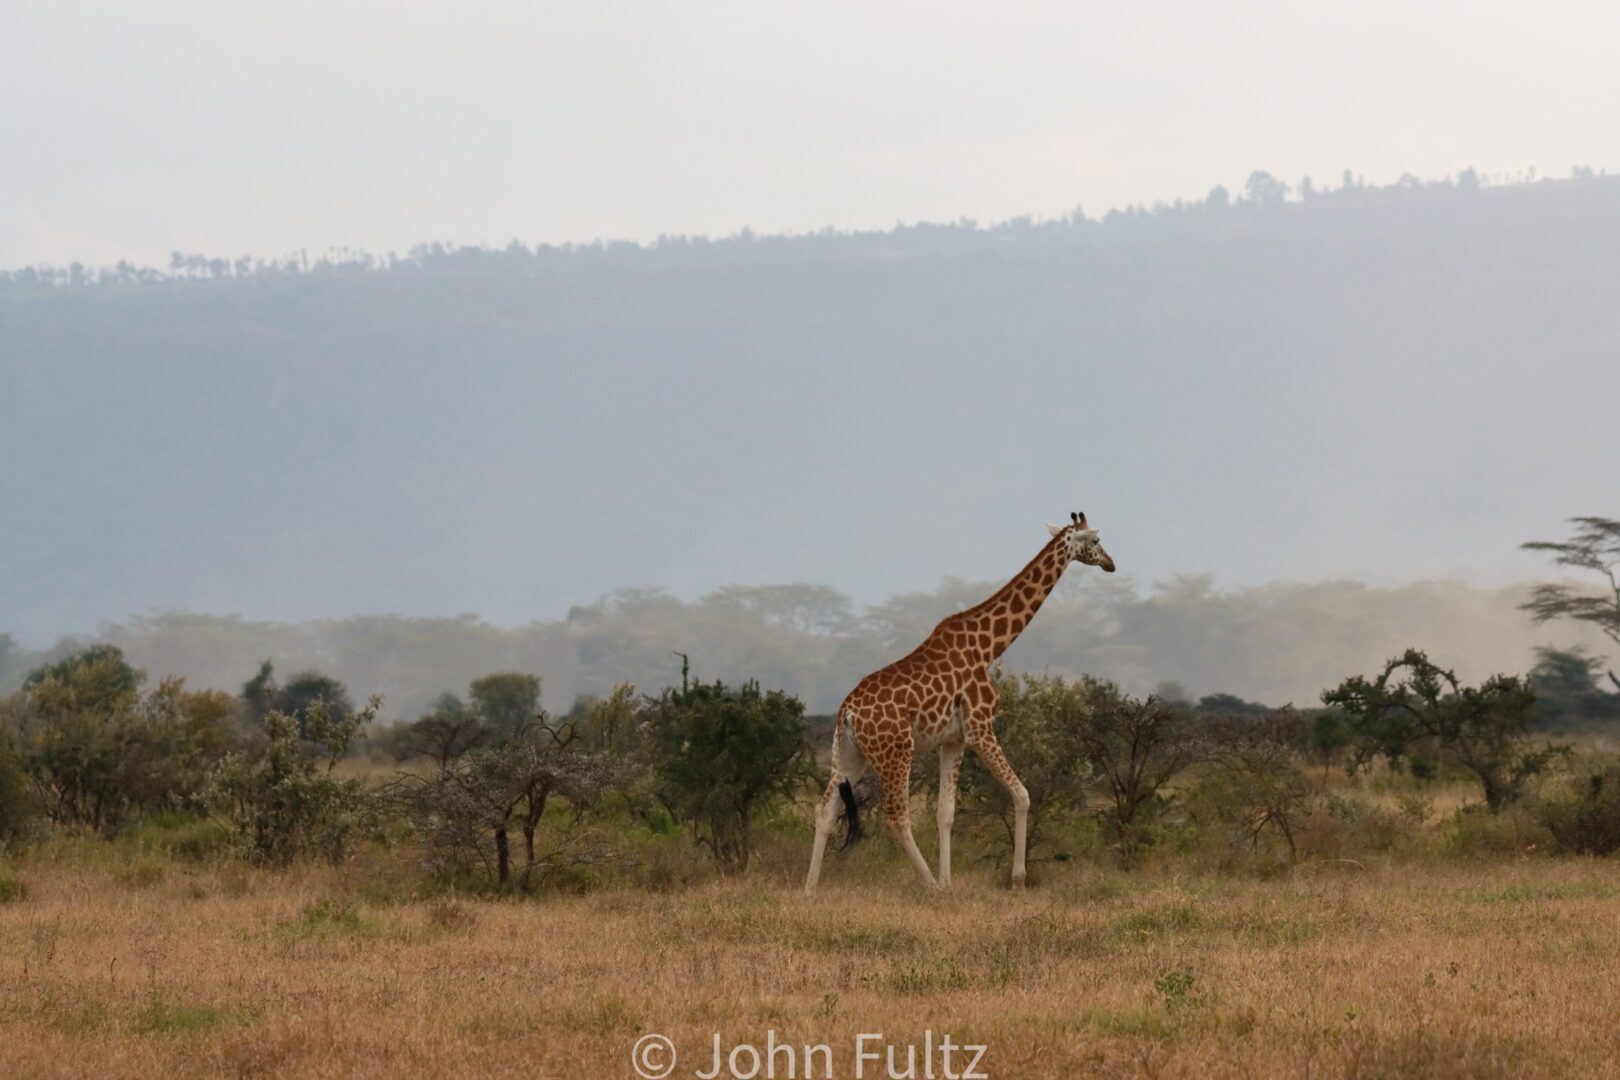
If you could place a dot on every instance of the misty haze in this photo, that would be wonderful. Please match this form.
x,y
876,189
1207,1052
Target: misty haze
x,y
583,540
1289,384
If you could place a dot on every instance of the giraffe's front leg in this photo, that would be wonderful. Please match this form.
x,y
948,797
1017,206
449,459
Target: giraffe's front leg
x,y
950,768
980,730
989,751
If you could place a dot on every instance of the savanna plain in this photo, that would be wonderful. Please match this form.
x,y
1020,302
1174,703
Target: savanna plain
x,y
1459,950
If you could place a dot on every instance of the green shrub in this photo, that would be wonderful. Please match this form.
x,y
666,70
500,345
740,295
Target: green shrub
x,y
1175,988
12,891
1586,817
284,802
99,753
726,757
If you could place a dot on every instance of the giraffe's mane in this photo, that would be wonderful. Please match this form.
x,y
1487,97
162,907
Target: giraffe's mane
x,y
987,601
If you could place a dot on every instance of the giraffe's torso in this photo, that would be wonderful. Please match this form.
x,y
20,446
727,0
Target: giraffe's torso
x,y
921,694
937,693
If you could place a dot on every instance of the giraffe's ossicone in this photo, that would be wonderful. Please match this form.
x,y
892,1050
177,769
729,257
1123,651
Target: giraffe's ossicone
x,y
940,697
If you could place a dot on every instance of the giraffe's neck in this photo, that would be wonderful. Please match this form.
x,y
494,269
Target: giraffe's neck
x,y
1004,616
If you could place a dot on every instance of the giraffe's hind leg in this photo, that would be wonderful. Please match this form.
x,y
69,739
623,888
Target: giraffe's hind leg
x,y
894,769
826,818
848,766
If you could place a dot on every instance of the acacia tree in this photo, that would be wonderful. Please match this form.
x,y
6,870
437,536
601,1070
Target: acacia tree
x,y
445,733
304,689
500,761
261,696
1418,715
1568,694
808,609
506,701
465,812
1595,546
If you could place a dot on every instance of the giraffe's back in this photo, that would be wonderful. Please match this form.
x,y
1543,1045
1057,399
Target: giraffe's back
x,y
917,694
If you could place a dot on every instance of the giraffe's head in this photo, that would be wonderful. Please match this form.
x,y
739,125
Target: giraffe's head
x,y
1082,544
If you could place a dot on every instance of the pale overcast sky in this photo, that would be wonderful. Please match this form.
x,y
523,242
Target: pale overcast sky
x,y
128,130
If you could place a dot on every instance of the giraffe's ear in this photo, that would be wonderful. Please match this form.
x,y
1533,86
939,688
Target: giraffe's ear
x,y
1055,530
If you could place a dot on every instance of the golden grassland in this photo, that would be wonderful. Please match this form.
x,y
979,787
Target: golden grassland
x,y
124,960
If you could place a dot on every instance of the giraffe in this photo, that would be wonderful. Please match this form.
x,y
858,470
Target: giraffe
x,y
941,697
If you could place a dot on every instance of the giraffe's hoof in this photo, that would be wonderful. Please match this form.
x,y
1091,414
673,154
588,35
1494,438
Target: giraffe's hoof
x,y
1018,882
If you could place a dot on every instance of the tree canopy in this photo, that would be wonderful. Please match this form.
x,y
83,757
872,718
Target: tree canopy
x,y
727,755
1418,715
1594,547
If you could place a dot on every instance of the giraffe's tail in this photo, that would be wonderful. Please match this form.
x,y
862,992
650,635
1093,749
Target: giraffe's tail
x,y
852,814
849,765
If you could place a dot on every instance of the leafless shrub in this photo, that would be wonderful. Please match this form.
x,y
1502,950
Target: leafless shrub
x,y
1138,747
1253,781
465,812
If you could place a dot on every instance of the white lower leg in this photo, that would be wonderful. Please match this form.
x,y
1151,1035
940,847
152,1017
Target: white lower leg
x,y
1020,797
826,818
901,828
945,813
989,752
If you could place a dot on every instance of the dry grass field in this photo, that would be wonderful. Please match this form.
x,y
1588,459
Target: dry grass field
x,y
118,962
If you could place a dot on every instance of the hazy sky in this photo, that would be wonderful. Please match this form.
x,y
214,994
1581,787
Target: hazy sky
x,y
128,130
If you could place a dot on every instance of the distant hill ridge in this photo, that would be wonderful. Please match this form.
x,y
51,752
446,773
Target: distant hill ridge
x,y
1383,383
1266,201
